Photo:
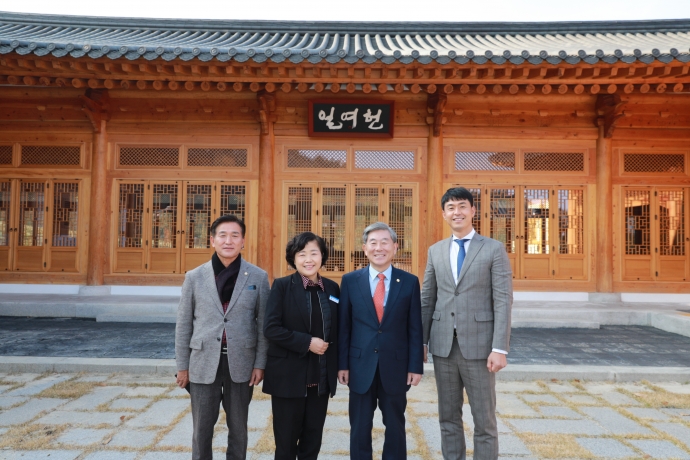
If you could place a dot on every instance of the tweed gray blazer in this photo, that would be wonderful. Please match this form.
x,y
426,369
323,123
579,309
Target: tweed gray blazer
x,y
200,323
480,303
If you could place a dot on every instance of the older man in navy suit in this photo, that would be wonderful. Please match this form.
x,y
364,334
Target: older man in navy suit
x,y
380,350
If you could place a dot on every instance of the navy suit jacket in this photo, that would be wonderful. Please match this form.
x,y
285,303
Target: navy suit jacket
x,y
395,345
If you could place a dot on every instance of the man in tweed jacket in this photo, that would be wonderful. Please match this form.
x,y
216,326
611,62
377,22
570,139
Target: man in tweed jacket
x,y
467,296
218,348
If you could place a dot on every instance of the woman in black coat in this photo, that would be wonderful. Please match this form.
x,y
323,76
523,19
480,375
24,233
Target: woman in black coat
x,y
301,325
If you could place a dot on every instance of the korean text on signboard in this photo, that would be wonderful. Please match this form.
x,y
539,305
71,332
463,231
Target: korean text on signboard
x,y
350,119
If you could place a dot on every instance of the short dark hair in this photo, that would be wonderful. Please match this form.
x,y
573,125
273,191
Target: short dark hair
x,y
225,219
456,194
298,243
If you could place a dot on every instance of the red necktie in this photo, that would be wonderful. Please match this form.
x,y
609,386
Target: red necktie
x,y
379,295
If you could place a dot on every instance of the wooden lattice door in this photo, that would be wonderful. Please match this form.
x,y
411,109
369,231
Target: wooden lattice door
x,y
8,231
130,245
30,248
63,241
671,249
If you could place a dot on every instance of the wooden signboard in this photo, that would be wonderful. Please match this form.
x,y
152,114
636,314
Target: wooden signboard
x,y
358,118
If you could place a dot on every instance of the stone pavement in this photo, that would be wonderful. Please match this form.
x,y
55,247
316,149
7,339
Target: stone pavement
x,y
140,417
608,346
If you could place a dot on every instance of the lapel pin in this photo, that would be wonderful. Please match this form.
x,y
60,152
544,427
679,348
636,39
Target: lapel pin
x,y
397,280
245,273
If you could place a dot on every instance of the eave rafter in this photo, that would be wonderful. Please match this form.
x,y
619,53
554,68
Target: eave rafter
x,y
509,79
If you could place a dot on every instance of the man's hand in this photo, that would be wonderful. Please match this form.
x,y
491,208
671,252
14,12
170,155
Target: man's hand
x,y
257,377
344,377
413,379
426,354
182,378
496,362
318,346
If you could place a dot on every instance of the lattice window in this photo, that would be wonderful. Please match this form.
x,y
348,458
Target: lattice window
x,y
637,222
65,214
502,215
477,200
554,161
366,212
485,161
233,200
149,156
164,216
5,155
571,221
671,223
53,155
536,221
229,158
333,226
131,222
654,163
400,207
299,214
5,211
323,159
31,213
384,159
198,216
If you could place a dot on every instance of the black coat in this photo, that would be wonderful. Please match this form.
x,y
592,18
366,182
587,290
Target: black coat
x,y
286,326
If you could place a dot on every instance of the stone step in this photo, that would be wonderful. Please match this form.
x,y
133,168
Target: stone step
x,y
134,318
555,324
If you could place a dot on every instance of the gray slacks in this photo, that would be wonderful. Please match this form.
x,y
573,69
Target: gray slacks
x,y
206,400
452,375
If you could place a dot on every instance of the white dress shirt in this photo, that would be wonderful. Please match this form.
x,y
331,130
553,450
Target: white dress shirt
x,y
454,251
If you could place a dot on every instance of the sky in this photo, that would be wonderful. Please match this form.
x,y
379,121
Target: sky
x,y
367,10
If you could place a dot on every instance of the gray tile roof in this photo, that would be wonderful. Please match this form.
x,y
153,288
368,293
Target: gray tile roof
x,y
333,42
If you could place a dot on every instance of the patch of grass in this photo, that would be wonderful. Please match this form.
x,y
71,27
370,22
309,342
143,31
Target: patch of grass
x,y
259,395
31,436
67,390
554,446
660,398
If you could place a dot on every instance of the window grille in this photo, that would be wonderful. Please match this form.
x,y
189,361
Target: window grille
x,y
229,158
299,210
571,222
130,225
5,154
536,221
322,159
477,199
671,223
65,214
54,155
333,223
502,215
366,213
164,216
400,219
233,200
5,211
149,156
32,213
198,216
384,159
554,161
485,161
654,163
637,222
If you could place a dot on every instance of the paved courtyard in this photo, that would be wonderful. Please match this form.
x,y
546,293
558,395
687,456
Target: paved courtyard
x,y
139,417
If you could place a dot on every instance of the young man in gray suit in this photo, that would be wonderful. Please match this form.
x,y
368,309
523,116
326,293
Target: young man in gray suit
x,y
218,346
467,296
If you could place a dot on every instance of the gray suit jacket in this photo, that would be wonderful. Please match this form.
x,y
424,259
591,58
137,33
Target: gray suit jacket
x,y
479,304
200,323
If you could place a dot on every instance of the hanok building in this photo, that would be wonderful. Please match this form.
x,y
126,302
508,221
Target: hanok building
x,y
122,139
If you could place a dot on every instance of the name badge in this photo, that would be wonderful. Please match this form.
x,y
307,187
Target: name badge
x,y
251,288
334,299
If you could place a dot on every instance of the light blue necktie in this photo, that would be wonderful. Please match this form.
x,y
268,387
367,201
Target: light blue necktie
x,y
461,254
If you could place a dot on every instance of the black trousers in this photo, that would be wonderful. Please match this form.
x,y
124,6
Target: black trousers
x,y
298,425
206,400
362,407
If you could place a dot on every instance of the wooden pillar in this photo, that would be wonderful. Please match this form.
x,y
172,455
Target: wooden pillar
x,y
265,233
98,212
604,223
436,104
434,187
